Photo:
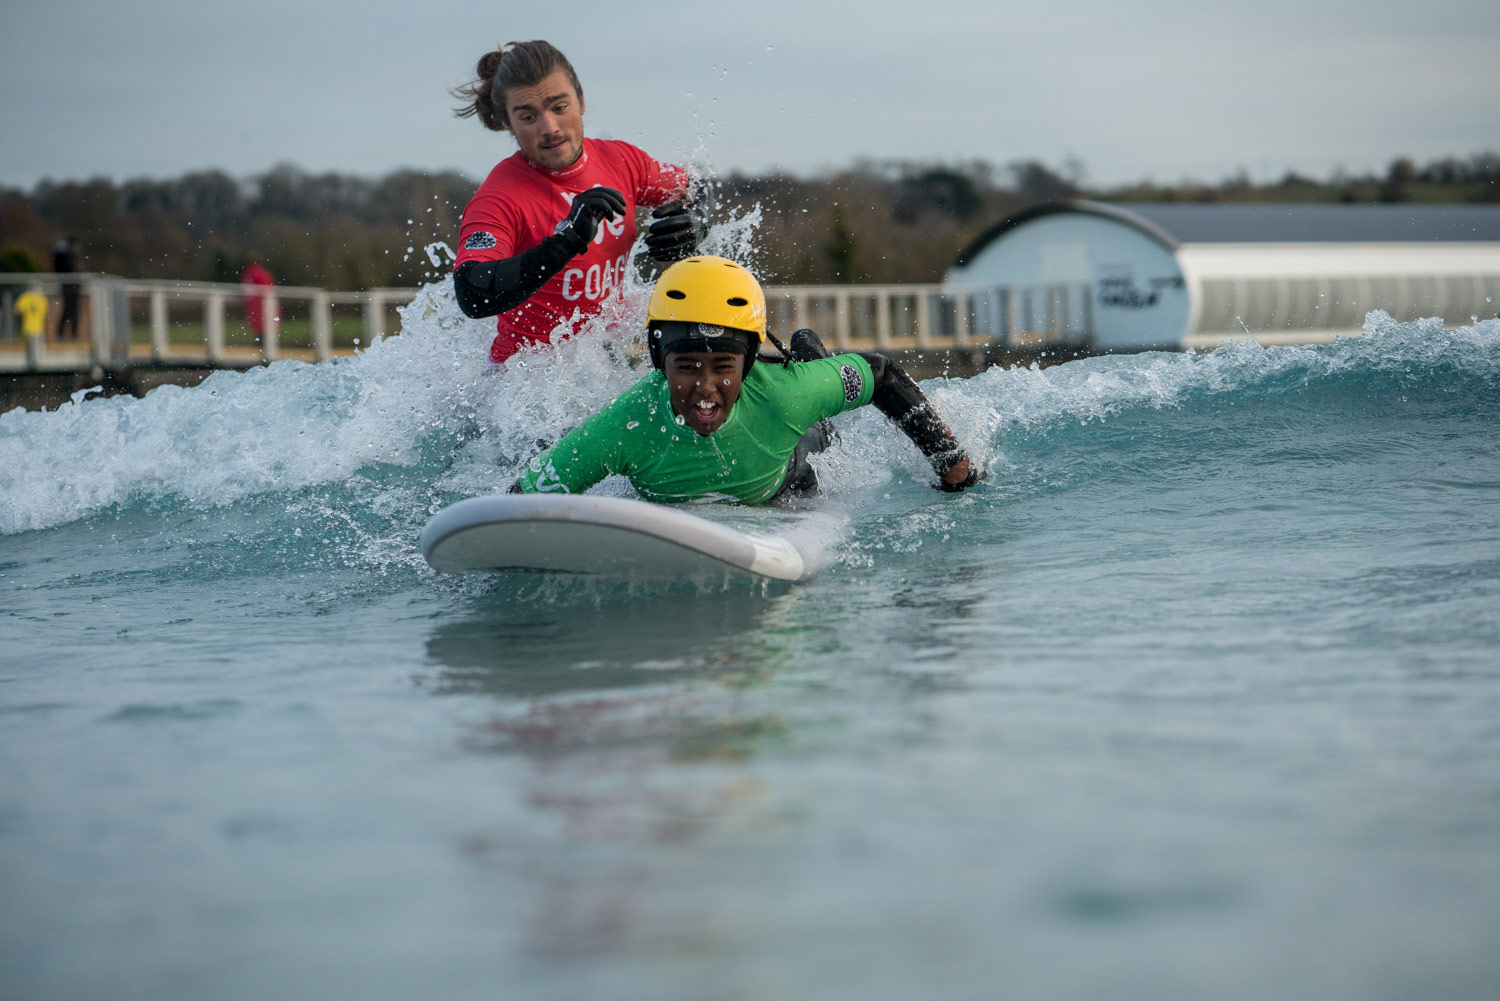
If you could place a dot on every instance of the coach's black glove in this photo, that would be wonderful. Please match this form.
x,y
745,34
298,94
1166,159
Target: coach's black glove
x,y
589,207
673,234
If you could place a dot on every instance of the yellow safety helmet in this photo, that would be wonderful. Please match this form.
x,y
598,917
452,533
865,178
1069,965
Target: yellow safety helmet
x,y
707,304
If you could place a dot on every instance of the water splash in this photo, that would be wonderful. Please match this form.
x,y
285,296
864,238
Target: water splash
x,y
418,420
425,401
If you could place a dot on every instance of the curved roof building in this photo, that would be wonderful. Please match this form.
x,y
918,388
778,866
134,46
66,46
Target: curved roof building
x,y
1116,277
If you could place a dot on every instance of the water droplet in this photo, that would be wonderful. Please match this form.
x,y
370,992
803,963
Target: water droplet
x,y
632,425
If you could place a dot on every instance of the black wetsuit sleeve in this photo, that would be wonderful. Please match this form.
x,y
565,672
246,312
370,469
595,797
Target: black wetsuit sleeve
x,y
899,398
485,288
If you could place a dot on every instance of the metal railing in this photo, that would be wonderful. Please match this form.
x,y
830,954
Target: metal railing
x,y
138,322
128,322
943,317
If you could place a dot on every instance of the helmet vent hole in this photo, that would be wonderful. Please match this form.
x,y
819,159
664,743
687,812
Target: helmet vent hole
x,y
676,293
736,301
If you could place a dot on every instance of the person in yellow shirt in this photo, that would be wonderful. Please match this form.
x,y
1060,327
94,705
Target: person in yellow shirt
x,y
31,306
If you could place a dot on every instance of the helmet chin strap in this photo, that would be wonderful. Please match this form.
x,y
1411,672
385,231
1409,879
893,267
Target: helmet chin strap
x,y
786,356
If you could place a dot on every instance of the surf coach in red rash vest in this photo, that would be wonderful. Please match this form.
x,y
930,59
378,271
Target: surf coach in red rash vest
x,y
546,237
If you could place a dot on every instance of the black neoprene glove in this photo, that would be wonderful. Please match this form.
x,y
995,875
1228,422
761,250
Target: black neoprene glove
x,y
589,207
673,233
975,475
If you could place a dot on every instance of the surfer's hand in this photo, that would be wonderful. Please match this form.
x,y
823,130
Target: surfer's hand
x,y
960,476
589,207
673,233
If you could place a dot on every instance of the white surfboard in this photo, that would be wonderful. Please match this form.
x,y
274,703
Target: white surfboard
x,y
611,536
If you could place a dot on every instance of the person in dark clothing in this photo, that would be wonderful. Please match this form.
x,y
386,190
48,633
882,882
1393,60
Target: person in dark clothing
x,y
65,261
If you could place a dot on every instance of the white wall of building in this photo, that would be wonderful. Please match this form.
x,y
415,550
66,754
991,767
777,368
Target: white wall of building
x,y
1146,295
1140,297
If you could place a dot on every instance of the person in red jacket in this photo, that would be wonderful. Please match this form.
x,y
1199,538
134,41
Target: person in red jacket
x,y
257,284
545,240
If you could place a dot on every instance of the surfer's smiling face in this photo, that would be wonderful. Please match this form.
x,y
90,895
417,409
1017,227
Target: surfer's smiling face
x,y
704,385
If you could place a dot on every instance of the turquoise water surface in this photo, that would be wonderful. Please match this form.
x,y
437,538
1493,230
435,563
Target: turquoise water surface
x,y
1197,696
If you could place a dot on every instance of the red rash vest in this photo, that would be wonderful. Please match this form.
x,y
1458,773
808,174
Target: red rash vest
x,y
520,204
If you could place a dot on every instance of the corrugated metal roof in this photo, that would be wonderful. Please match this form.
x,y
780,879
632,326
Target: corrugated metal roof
x,y
1217,223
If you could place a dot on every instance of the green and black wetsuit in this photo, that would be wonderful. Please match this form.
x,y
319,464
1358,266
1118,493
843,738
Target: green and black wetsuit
x,y
743,462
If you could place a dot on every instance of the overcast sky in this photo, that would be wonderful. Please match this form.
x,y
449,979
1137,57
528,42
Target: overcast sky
x,y
1166,89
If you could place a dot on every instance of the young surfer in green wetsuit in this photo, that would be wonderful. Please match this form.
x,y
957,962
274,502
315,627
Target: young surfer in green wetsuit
x,y
710,424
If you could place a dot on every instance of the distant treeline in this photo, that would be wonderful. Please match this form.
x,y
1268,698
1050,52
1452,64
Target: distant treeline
x,y
325,230
875,222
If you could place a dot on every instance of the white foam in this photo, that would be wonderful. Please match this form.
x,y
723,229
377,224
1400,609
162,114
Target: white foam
x,y
237,434
427,401
427,396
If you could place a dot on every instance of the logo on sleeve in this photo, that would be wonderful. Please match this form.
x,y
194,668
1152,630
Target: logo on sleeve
x,y
480,241
854,383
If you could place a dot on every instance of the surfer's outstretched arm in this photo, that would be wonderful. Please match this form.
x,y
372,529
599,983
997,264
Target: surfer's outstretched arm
x,y
485,288
899,398
897,395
